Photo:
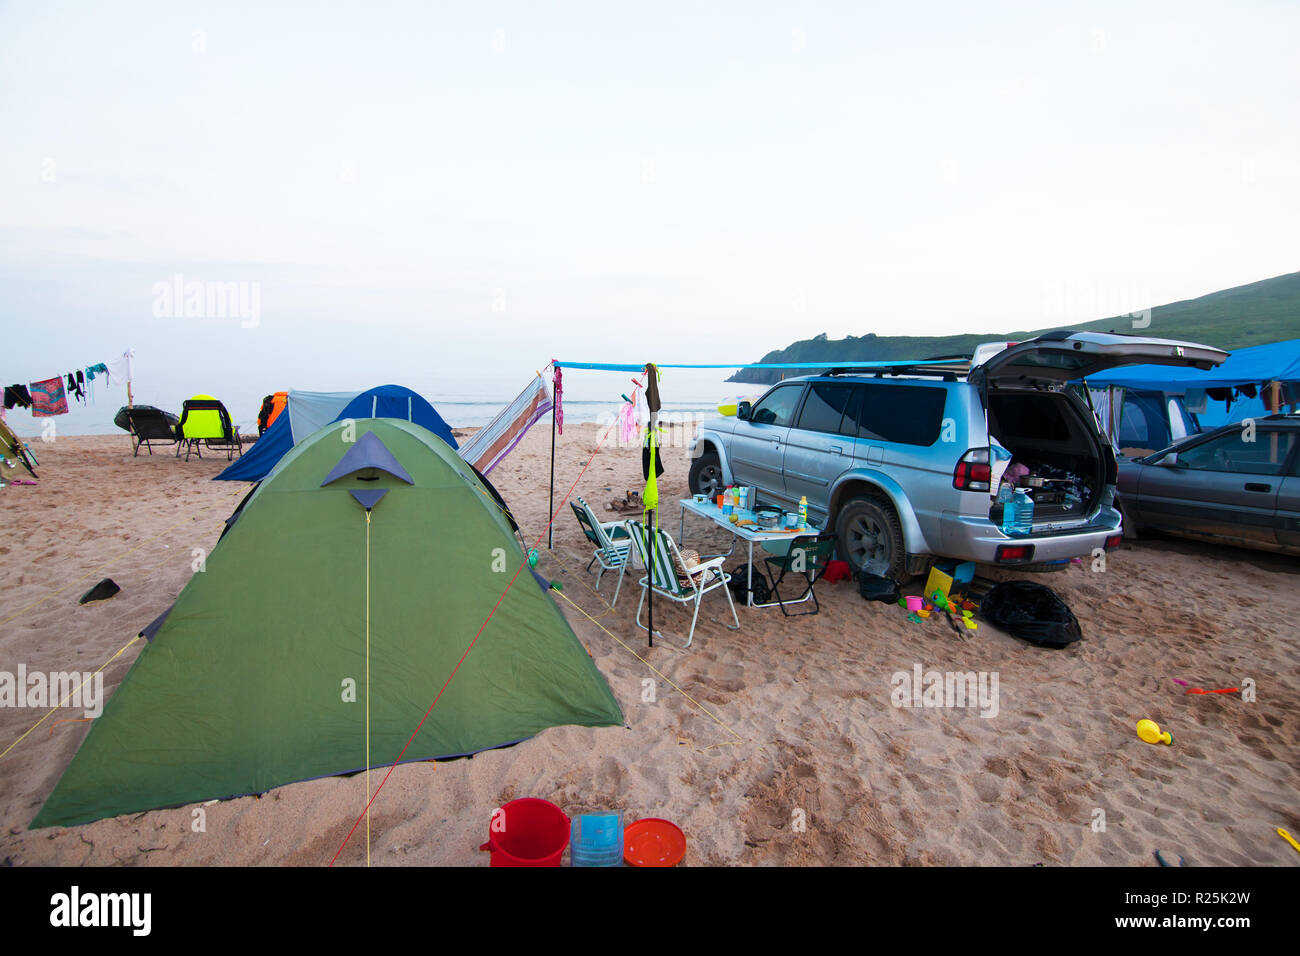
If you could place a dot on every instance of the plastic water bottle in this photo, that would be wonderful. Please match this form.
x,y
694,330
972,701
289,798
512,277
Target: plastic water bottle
x,y
1024,520
1009,508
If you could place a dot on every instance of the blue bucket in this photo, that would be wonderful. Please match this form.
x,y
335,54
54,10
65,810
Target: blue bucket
x,y
596,839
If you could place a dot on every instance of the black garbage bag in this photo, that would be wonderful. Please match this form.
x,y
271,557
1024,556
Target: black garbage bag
x,y
877,587
740,593
1032,612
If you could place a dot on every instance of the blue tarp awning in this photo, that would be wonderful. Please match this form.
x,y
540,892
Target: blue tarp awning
x,y
1277,362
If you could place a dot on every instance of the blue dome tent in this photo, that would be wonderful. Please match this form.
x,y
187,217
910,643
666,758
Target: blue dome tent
x,y
397,401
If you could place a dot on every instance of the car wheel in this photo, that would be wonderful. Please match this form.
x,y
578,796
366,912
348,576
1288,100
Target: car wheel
x,y
868,530
706,475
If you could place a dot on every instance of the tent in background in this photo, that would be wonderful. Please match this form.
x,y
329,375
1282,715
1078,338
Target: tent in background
x,y
308,412
374,558
397,401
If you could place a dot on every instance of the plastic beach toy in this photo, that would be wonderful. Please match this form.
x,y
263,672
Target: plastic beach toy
x,y
1289,839
1150,731
653,842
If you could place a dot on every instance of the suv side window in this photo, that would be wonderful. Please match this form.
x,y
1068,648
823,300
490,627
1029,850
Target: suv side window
x,y
1266,455
903,414
777,407
824,410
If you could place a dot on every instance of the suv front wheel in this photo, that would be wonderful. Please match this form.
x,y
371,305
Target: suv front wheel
x,y
706,475
868,531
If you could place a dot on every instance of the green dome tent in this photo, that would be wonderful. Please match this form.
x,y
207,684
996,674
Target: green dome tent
x,y
372,560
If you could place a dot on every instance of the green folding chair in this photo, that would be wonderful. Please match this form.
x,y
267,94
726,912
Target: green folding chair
x,y
657,552
611,541
808,556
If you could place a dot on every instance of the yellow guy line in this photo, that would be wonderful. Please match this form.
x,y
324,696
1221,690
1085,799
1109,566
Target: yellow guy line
x,y
70,693
665,677
93,571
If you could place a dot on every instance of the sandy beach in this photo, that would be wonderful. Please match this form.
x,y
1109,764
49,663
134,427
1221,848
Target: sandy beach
x,y
739,739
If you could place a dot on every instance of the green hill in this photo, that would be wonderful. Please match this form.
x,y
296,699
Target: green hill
x,y
1254,314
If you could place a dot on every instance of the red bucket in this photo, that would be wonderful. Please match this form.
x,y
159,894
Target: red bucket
x,y
528,832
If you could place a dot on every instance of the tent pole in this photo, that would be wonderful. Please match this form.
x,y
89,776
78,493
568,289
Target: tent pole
x,y
653,516
550,527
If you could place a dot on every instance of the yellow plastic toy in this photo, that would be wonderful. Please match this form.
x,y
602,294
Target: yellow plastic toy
x,y
1289,839
1150,731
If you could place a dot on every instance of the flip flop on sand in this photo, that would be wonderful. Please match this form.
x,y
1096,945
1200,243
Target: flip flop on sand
x,y
1163,860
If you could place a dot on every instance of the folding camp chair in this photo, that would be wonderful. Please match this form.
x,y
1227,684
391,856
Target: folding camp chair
x,y
148,426
205,421
658,553
809,555
611,541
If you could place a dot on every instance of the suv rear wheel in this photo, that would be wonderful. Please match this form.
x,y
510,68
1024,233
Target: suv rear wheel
x,y
868,530
706,475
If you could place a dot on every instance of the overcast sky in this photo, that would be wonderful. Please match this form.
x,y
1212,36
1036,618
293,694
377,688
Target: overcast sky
x,y
451,191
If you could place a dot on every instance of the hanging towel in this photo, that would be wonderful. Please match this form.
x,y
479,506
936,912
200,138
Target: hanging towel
x,y
48,398
120,369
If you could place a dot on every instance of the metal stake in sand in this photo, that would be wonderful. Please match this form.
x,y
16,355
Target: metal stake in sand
x,y
555,401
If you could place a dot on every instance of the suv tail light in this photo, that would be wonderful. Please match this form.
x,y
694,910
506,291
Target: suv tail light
x,y
1014,553
1114,541
972,472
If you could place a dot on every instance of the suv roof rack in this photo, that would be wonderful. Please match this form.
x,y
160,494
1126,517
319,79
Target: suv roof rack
x,y
947,367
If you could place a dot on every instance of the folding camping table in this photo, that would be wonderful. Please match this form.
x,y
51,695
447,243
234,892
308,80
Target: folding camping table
x,y
751,533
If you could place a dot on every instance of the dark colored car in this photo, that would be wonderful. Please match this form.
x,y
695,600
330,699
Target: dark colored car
x,y
1239,484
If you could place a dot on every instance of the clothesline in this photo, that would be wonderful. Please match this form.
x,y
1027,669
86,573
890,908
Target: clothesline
x,y
615,367
48,397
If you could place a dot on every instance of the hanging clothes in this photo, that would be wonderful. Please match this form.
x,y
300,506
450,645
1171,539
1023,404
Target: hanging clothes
x,y
650,496
17,396
119,370
652,388
629,416
48,398
559,405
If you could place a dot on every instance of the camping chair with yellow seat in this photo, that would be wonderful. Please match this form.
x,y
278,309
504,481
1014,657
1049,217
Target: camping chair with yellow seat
x,y
205,421
809,556
611,541
669,576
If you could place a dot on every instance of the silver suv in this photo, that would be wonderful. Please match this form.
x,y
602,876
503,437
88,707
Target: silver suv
x,y
900,458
